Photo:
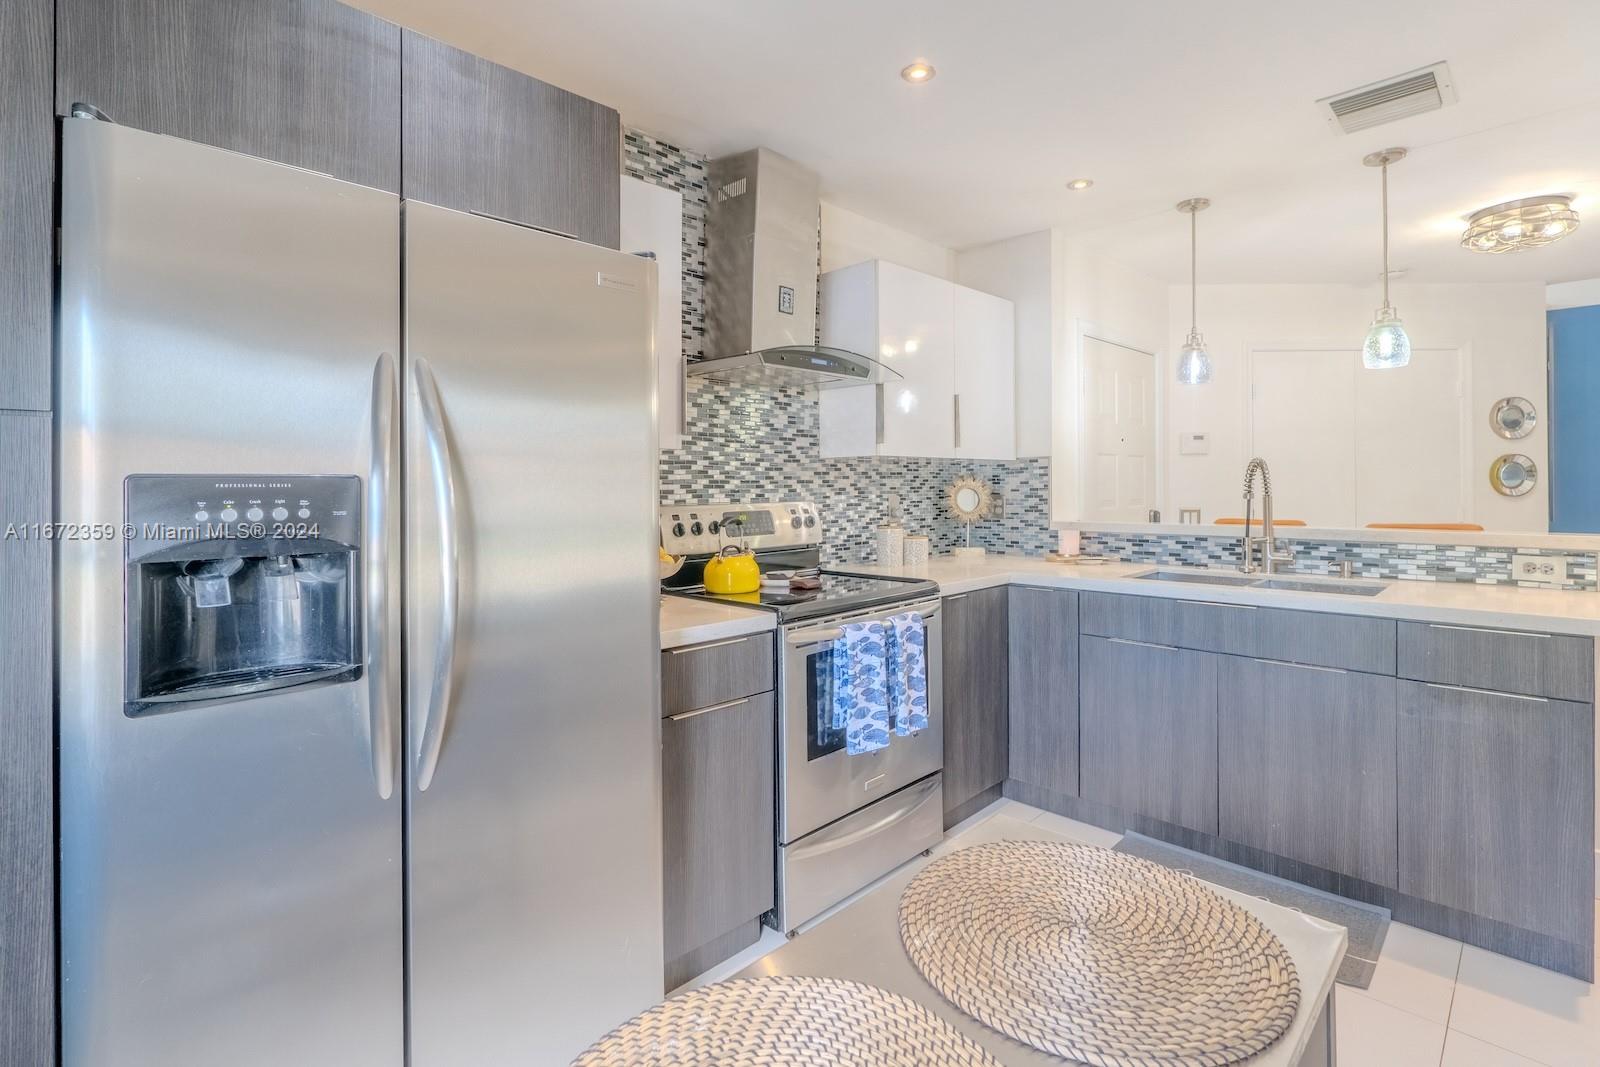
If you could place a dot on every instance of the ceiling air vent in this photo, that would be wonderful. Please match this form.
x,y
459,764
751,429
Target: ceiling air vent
x,y
1428,89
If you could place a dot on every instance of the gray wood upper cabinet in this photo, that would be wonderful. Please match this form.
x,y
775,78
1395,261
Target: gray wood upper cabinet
x,y
1043,627
1506,661
1148,722
1496,806
27,787
1307,765
976,686
482,137
312,83
718,823
27,202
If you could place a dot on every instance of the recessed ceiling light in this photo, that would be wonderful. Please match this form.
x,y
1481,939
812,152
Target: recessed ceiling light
x,y
918,72
1079,184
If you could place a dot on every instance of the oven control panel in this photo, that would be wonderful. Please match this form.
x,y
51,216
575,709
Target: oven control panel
x,y
702,529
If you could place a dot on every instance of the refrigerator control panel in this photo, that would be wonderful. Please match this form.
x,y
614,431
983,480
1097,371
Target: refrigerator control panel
x,y
166,510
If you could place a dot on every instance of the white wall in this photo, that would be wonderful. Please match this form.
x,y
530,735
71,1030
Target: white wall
x,y
1019,269
1573,294
1501,328
850,238
1108,300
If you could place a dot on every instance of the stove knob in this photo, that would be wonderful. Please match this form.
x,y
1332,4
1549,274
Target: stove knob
x,y
696,529
795,522
716,524
811,520
677,529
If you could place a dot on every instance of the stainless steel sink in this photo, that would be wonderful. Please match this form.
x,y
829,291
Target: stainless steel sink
x,y
1199,577
1285,583
1299,585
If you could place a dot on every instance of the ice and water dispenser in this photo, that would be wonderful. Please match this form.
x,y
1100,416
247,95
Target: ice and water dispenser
x,y
238,586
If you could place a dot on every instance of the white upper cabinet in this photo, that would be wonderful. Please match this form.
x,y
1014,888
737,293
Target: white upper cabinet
x,y
954,350
986,354
652,221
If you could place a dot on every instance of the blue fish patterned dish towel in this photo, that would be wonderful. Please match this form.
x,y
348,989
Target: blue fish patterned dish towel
x,y
908,673
861,686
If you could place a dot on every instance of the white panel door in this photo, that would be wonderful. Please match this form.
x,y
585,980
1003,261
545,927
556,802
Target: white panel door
x,y
1119,432
916,336
652,221
1408,441
985,376
1302,419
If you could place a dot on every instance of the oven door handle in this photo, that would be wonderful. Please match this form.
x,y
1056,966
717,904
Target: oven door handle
x,y
826,635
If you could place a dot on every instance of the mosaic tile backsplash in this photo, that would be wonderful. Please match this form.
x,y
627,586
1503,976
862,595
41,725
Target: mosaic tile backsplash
x,y
759,444
748,443
1419,562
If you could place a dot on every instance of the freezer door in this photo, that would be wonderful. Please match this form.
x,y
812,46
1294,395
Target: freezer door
x,y
533,740
230,868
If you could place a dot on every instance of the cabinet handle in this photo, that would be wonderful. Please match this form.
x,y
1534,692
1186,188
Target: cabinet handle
x,y
955,596
878,424
706,711
957,402
1301,666
715,644
1487,692
1484,630
1140,644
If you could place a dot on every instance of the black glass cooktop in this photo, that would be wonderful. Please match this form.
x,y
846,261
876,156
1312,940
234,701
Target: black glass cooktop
x,y
841,592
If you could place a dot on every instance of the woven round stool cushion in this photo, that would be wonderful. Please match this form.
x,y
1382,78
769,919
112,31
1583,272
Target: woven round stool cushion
x,y
786,1022
1098,957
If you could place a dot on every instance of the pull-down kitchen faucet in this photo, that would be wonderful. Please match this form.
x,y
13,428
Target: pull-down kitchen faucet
x,y
1265,544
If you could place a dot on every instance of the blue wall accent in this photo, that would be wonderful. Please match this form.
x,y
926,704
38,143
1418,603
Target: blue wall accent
x,y
1575,420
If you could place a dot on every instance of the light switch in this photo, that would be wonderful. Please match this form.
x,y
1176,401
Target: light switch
x,y
1194,444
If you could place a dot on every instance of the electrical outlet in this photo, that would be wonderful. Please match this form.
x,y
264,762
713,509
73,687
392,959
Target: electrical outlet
x,y
1543,569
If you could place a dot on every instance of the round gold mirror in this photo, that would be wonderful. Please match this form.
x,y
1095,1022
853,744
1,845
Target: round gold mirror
x,y
969,501
1513,417
1513,475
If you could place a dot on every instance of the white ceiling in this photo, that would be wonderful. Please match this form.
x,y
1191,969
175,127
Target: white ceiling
x,y
1156,100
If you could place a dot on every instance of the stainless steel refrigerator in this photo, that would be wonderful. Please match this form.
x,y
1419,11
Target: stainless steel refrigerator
x,y
359,755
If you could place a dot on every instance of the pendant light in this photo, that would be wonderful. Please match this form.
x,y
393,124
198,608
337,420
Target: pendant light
x,y
1387,345
1194,366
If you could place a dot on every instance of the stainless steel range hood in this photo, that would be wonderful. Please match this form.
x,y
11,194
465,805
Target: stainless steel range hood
x,y
761,280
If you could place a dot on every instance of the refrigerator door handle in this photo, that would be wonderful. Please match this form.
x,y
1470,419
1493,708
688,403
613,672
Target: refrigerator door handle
x,y
383,676
444,487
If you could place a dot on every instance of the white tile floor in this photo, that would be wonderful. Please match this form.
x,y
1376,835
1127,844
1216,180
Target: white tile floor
x,y
1433,1002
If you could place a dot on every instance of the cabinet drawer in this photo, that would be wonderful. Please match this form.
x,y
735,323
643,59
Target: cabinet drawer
x,y
1506,661
702,675
1159,620
1350,642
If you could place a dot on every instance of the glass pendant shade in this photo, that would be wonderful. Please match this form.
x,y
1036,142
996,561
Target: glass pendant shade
x,y
1194,366
1387,345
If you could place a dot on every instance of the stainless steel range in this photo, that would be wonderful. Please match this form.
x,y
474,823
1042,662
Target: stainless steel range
x,y
843,820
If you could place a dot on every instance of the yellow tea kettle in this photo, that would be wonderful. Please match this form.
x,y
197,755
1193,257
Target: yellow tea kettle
x,y
732,570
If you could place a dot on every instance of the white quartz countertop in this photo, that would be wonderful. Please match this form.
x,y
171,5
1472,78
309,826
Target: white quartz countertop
x,y
690,622
1461,603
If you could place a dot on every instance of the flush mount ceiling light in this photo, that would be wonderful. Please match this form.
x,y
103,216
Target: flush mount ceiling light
x,y
1519,224
918,72
1387,345
1080,184
1194,366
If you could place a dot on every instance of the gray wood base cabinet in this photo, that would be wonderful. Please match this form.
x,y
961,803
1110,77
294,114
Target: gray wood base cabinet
x,y
1443,771
1307,765
1044,688
718,795
1148,716
1497,806
976,700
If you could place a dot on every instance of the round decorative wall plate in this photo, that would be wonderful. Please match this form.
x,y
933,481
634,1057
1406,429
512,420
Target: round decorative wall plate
x,y
1513,474
969,499
1513,417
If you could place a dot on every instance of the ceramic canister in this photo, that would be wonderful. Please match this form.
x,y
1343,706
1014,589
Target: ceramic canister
x,y
891,545
915,551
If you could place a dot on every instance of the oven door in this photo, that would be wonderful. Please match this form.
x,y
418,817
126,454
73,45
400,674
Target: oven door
x,y
822,782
